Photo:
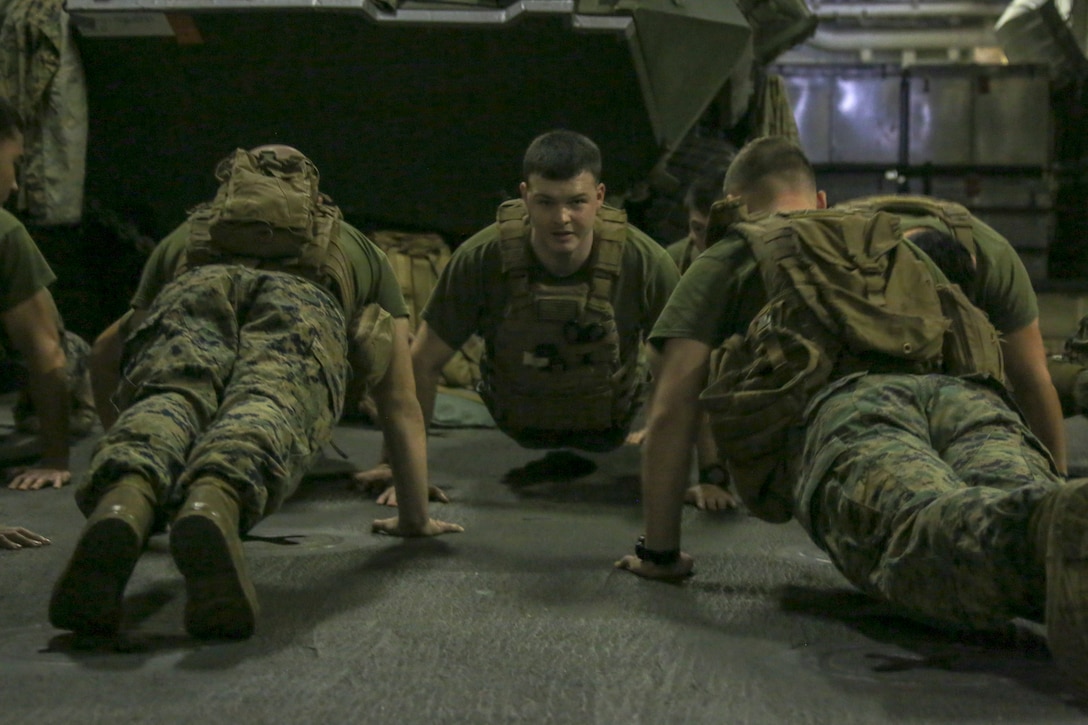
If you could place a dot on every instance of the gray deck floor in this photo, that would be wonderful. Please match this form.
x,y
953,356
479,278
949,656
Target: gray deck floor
x,y
519,619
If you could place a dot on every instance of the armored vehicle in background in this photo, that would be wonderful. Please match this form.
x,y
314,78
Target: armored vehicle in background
x,y
417,114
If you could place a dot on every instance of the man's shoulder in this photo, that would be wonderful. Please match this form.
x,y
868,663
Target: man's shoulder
x,y
727,247
642,244
481,240
8,223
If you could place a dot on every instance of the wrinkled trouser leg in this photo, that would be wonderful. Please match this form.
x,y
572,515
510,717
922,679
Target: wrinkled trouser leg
x,y
236,374
175,368
924,486
283,397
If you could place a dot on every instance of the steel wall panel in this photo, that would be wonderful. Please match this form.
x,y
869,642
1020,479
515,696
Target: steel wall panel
x,y
865,120
940,120
1012,121
810,96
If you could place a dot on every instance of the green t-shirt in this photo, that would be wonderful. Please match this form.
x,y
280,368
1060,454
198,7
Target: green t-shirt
x,y
682,252
1003,289
722,291
23,269
472,294
374,277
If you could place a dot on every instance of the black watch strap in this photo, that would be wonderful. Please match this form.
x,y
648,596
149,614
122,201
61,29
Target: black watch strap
x,y
714,474
667,557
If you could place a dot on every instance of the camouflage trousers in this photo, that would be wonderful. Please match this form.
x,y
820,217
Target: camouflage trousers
x,y
236,374
919,487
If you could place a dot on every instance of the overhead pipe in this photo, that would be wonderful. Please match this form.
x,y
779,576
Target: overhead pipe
x,y
927,39
832,11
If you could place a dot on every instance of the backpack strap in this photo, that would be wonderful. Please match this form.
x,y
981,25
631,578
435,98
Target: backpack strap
x,y
512,218
609,235
954,216
724,213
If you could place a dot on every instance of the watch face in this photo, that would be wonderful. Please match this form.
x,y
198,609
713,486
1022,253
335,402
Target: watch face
x,y
714,475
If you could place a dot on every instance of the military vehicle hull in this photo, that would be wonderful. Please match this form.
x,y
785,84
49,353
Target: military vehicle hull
x,y
417,116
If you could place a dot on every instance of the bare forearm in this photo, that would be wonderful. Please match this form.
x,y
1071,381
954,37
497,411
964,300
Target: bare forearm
x,y
105,372
49,393
426,392
405,441
666,461
1043,412
105,364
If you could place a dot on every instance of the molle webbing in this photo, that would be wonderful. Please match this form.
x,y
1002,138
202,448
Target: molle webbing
x,y
724,213
609,235
321,260
954,216
555,363
846,293
880,305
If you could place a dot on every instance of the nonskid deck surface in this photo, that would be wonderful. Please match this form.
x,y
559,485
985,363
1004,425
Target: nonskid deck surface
x,y
519,619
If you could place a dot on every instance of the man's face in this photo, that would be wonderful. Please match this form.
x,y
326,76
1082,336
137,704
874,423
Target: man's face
x,y
11,151
561,214
697,222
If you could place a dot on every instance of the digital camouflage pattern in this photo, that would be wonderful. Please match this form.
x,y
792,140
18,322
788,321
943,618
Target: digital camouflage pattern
x,y
236,373
924,485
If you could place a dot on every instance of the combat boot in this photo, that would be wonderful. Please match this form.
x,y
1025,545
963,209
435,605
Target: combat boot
x,y
207,548
1059,531
87,598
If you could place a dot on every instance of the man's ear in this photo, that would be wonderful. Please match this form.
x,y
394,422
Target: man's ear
x,y
821,199
600,192
523,189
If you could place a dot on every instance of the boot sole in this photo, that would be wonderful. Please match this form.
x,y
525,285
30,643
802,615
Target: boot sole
x,y
1067,584
87,599
222,603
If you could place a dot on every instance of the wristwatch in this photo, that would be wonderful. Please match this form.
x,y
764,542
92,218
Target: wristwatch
x,y
668,557
715,475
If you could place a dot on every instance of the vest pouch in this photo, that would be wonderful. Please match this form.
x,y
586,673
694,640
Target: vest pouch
x,y
761,386
281,197
256,239
371,343
971,345
517,412
870,328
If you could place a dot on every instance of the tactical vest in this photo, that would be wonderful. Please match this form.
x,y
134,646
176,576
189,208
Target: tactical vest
x,y
554,364
954,216
268,214
846,293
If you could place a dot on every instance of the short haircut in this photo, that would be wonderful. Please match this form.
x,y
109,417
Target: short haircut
x,y
704,191
10,123
560,155
950,256
767,165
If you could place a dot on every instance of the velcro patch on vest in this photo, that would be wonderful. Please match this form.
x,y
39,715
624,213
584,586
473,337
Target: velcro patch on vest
x,y
557,310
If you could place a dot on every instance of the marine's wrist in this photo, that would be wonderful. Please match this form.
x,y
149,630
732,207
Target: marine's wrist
x,y
660,557
714,475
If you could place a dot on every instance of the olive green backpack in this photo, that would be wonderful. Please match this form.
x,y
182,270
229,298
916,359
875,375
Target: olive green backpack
x,y
846,293
268,213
